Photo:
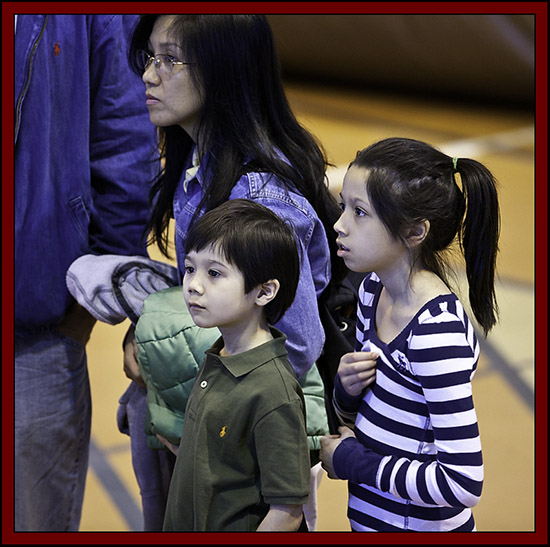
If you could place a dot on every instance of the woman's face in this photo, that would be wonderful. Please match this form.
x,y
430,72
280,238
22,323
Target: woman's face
x,y
172,99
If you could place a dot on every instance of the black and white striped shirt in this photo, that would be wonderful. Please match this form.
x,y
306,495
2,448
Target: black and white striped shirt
x,y
416,463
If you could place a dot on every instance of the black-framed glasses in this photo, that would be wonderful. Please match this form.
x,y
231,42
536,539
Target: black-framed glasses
x,y
164,64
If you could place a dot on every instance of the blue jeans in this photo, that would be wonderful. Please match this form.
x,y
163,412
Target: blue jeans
x,y
52,432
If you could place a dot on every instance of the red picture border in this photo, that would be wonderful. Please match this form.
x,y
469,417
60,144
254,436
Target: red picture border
x,y
539,9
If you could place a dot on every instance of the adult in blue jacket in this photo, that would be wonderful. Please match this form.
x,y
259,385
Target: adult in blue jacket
x,y
84,155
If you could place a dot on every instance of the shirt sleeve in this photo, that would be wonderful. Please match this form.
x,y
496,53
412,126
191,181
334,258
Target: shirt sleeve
x,y
280,438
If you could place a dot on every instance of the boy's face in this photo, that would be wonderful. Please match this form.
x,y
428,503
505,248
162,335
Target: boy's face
x,y
213,290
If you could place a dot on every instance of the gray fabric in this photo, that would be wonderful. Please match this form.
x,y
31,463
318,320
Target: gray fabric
x,y
113,288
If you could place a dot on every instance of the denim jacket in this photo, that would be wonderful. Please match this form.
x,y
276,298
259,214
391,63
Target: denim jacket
x,y
301,323
83,155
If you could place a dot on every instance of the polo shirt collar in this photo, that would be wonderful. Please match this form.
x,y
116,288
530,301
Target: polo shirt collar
x,y
243,363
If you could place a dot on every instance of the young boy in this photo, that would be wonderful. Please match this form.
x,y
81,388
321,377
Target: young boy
x,y
243,461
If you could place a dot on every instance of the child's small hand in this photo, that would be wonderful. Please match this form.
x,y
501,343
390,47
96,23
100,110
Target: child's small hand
x,y
357,370
130,360
328,445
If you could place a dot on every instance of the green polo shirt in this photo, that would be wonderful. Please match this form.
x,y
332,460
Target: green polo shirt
x,y
243,446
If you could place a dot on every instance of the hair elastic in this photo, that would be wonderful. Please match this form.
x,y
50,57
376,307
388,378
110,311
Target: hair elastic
x,y
455,161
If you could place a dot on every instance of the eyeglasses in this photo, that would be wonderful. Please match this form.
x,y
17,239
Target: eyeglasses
x,y
164,64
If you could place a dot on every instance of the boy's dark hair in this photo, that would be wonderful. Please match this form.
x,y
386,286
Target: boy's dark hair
x,y
255,240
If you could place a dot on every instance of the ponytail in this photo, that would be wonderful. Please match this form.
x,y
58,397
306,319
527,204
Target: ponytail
x,y
478,238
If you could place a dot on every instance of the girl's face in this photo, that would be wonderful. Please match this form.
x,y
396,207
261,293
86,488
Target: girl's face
x,y
363,240
172,99
213,290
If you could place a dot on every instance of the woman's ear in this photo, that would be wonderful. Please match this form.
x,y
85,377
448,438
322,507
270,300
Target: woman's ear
x,y
267,292
418,233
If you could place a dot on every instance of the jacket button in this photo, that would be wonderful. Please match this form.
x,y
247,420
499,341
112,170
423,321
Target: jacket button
x,y
204,383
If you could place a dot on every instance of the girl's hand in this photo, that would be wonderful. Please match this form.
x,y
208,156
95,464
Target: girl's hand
x,y
357,370
328,445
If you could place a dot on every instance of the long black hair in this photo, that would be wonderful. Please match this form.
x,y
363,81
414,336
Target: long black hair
x,y
245,124
410,181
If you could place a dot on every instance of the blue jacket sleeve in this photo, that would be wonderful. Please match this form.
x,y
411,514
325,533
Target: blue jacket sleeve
x,y
123,144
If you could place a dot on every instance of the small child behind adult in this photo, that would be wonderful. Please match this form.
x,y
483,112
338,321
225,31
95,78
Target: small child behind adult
x,y
413,460
243,461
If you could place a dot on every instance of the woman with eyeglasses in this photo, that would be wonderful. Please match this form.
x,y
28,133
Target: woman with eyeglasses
x,y
213,87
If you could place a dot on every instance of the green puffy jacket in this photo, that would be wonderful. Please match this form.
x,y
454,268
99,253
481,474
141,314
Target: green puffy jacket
x,y
170,351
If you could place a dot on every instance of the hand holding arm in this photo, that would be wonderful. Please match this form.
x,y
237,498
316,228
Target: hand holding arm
x,y
328,445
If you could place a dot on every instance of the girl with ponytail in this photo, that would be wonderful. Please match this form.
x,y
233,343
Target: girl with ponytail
x,y
411,450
